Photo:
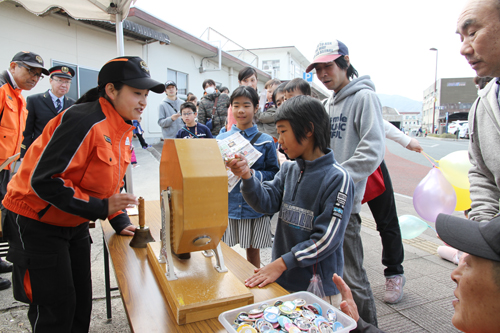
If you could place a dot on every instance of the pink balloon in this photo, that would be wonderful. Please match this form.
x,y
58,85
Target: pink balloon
x,y
434,195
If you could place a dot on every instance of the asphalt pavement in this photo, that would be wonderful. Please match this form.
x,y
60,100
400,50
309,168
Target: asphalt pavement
x,y
426,305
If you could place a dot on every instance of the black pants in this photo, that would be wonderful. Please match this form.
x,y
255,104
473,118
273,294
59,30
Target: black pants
x,y
141,140
51,272
384,212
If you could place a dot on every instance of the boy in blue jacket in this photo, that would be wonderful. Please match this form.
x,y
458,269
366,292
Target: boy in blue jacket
x,y
313,195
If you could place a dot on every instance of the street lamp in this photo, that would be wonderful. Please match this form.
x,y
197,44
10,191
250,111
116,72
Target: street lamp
x,y
435,82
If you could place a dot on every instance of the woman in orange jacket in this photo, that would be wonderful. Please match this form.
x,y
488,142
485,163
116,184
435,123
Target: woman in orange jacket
x,y
71,174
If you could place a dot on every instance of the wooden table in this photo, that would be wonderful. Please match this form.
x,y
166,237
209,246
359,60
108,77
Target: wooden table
x,y
146,306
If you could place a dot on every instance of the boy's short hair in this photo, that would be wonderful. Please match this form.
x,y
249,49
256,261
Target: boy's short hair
x,y
299,84
221,89
271,83
188,105
248,92
208,82
280,89
307,114
246,72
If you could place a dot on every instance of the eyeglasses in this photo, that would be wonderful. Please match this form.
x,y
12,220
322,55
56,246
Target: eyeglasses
x,y
67,82
187,114
31,71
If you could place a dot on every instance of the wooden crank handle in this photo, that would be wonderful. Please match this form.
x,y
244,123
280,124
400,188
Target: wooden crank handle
x,y
142,212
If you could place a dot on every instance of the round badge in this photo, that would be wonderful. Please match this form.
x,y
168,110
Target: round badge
x,y
337,326
144,66
39,59
271,317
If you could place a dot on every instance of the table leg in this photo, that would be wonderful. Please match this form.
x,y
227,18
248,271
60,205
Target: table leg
x,y
106,278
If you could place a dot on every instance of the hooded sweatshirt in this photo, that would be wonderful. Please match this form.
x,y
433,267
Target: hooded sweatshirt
x,y
314,199
167,109
484,175
357,135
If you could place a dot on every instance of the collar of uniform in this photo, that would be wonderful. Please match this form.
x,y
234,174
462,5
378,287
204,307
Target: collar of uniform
x,y
12,81
116,121
54,98
247,132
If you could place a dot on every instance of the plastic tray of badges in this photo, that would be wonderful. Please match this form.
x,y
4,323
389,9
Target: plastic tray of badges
x,y
227,318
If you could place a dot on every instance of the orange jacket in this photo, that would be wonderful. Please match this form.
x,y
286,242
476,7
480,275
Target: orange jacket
x,y
73,167
13,118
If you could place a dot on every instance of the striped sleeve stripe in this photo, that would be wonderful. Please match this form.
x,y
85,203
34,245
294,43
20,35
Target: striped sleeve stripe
x,y
315,249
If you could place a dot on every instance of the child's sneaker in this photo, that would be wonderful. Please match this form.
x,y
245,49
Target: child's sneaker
x,y
394,288
146,147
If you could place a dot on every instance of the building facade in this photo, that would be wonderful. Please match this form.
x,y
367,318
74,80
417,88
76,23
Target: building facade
x,y
284,63
171,53
411,122
453,99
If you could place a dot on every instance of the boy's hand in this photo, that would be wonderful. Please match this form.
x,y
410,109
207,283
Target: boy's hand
x,y
267,274
239,166
348,306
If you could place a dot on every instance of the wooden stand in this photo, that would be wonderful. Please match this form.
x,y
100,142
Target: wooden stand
x,y
200,292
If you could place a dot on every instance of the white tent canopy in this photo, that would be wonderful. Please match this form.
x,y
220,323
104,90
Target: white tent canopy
x,y
95,10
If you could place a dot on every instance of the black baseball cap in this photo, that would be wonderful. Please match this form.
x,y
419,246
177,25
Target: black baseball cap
x,y
132,71
62,71
170,83
30,59
481,239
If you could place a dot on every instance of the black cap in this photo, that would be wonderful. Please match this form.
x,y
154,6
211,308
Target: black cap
x,y
30,59
62,71
481,239
132,71
170,83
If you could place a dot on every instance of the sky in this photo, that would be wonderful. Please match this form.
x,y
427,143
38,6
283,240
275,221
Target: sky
x,y
387,39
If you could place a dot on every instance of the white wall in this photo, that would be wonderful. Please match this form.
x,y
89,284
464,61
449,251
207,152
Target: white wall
x,y
91,47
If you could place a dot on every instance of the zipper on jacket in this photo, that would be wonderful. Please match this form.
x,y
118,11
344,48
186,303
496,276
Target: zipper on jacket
x,y
302,169
120,157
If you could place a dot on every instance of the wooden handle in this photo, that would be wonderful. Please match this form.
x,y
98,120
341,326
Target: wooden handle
x,y
142,212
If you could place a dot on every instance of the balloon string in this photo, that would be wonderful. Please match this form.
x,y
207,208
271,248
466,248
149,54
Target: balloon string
x,y
430,156
432,229
427,157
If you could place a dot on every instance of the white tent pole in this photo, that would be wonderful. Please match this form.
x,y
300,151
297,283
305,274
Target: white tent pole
x,y
120,49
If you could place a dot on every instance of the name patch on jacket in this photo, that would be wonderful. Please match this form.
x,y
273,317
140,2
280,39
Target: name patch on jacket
x,y
107,139
338,208
296,216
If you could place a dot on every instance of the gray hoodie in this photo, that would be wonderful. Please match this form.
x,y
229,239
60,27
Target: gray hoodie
x,y
169,128
484,175
358,136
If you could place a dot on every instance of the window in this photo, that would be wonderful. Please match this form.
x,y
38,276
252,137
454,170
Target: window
x,y
272,67
181,79
84,80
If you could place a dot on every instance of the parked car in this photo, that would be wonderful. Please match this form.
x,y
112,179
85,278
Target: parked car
x,y
457,126
464,131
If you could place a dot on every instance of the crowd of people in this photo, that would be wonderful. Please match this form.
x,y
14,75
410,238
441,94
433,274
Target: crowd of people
x,y
320,161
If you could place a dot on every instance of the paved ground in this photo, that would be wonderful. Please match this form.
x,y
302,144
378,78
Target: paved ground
x,y
425,307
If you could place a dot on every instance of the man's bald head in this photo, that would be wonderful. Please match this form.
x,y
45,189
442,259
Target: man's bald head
x,y
479,30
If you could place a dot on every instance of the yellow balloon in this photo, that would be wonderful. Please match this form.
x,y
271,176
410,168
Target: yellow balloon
x,y
463,198
455,168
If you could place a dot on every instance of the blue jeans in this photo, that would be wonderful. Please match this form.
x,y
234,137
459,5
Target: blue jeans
x,y
354,273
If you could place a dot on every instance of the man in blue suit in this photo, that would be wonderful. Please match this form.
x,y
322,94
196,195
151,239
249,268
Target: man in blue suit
x,y
45,106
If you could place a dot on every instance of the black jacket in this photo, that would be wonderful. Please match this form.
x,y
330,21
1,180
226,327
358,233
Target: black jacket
x,y
41,109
